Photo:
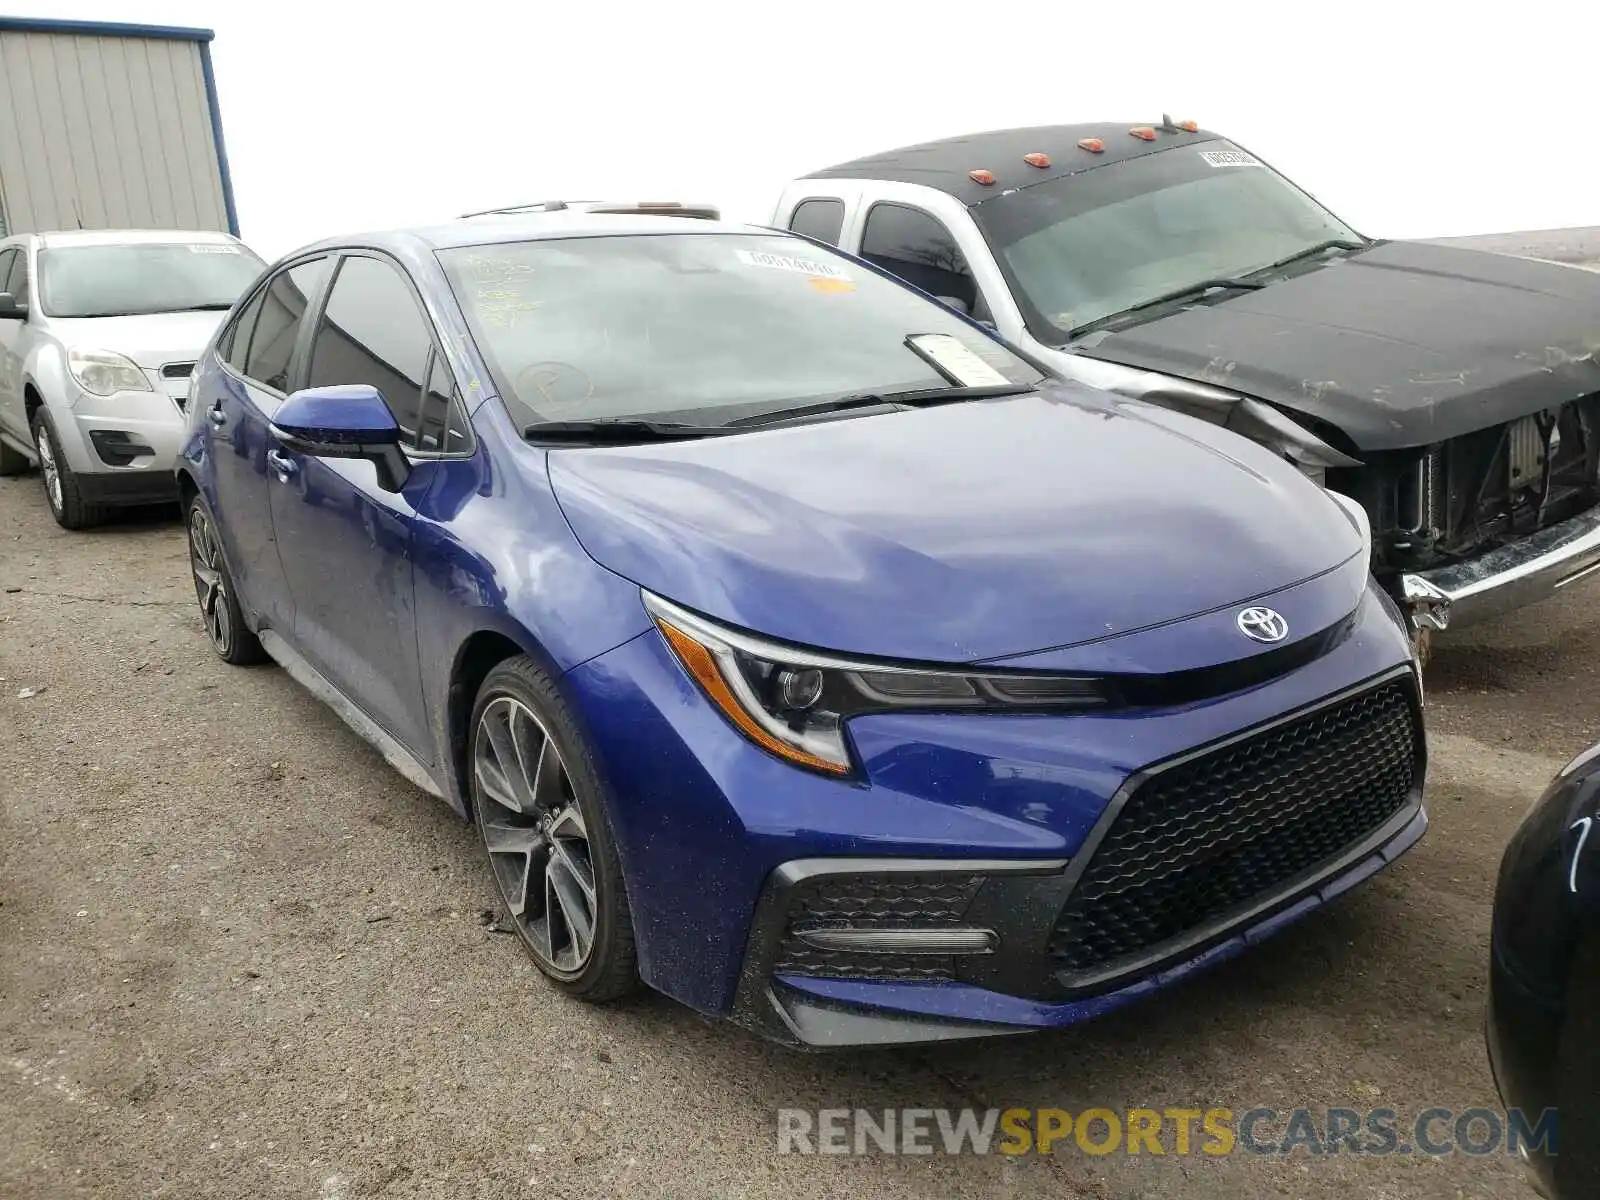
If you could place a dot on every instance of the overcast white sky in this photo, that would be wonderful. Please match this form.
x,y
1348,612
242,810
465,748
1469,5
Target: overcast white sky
x,y
1406,117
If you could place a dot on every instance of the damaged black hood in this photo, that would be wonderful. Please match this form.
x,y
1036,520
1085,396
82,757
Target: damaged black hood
x,y
1402,344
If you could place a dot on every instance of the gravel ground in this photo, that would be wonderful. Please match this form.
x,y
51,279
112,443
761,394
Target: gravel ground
x,y
241,957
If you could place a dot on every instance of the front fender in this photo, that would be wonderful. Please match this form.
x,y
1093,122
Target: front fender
x,y
44,369
494,555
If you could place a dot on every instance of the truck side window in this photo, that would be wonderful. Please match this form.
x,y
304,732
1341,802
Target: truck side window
x,y
918,248
820,219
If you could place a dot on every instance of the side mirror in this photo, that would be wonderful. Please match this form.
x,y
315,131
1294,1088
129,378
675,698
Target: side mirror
x,y
344,421
10,309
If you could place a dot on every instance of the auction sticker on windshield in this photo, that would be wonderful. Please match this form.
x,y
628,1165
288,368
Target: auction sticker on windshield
x,y
797,266
1229,158
213,248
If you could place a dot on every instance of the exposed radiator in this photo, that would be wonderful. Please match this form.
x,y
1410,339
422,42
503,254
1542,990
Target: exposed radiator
x,y
1527,450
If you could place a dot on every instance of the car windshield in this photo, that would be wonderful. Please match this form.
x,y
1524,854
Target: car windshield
x,y
702,327
143,277
1079,248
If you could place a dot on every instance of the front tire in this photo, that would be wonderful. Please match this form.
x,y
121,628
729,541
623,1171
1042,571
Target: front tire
x,y
230,637
537,798
61,488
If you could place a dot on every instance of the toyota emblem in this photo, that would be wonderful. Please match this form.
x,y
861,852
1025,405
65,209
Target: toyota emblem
x,y
1263,625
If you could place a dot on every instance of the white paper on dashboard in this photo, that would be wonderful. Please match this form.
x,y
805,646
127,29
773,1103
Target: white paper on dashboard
x,y
953,359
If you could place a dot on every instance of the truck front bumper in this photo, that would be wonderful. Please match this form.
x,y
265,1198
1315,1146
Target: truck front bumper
x,y
1503,580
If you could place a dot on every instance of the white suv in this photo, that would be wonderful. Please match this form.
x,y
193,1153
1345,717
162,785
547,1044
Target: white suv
x,y
98,334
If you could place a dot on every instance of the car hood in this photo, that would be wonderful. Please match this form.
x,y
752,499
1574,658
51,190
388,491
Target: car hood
x,y
150,339
957,534
1404,344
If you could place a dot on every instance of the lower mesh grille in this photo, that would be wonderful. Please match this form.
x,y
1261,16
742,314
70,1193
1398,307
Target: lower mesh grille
x,y
1232,827
888,901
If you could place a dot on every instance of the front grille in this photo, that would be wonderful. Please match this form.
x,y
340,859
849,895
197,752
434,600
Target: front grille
x,y
180,370
1233,827
888,901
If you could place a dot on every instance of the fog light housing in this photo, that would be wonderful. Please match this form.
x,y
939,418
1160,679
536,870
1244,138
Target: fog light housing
x,y
119,448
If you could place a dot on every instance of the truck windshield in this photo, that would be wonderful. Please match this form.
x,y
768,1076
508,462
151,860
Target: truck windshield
x,y
1080,248
143,277
703,327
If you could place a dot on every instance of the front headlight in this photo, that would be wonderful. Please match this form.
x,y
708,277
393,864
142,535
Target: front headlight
x,y
105,372
793,702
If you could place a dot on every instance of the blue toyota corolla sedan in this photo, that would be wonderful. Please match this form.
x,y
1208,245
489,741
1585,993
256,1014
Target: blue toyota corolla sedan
x,y
796,646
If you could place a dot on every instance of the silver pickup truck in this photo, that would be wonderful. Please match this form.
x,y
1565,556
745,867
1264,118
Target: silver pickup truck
x,y
1454,393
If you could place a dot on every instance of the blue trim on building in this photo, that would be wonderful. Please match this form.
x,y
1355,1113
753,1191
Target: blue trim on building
x,y
175,33
216,133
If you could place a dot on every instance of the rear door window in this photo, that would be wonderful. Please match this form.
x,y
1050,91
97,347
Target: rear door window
x,y
236,339
270,350
821,219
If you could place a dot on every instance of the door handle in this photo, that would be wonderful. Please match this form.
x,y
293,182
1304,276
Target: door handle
x,y
218,417
282,464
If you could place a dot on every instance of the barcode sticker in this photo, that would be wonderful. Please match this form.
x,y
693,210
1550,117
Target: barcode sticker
x,y
1228,158
786,262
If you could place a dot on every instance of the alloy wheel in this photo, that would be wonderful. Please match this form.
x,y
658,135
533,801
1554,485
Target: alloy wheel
x,y
205,560
534,831
48,467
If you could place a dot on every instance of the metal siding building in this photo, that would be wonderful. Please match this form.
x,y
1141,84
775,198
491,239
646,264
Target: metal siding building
x,y
109,126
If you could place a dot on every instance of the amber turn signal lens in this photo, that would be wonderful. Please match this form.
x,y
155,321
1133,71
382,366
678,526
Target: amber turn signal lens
x,y
1189,126
1036,160
981,176
1144,133
1092,145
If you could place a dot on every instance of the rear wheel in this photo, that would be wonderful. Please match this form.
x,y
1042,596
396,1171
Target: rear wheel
x,y
213,587
61,488
536,795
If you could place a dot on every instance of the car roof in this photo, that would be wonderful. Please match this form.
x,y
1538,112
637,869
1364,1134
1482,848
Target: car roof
x,y
130,237
945,164
526,227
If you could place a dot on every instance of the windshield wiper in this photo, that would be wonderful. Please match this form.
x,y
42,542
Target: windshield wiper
x,y
620,432
916,398
1311,252
1183,293
148,312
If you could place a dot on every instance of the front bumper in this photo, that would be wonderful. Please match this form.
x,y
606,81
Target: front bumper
x,y
708,824
1522,1036
1501,581
98,433
861,951
823,1013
